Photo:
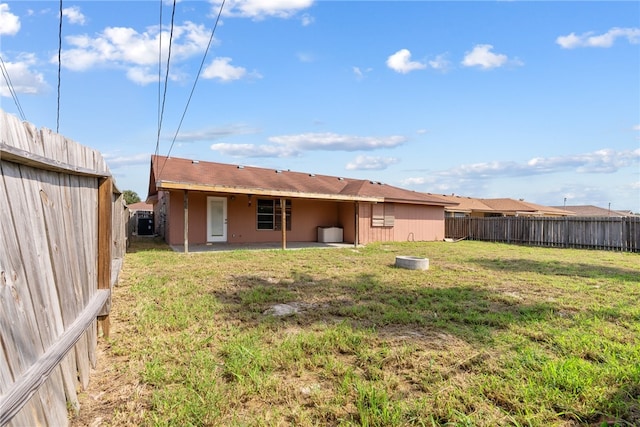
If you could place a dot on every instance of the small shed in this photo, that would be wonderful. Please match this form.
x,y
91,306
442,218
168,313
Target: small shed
x,y
141,219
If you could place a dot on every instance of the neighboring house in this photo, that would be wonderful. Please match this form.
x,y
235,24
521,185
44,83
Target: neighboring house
x,y
467,206
242,204
141,219
472,207
591,210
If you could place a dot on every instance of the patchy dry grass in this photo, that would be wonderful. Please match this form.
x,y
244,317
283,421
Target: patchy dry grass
x,y
490,335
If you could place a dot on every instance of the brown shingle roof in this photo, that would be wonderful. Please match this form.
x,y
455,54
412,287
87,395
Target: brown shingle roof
x,y
590,210
502,205
466,204
520,206
140,206
177,173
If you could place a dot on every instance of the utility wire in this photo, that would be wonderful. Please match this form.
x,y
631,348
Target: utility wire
x,y
166,77
59,66
159,80
204,58
14,95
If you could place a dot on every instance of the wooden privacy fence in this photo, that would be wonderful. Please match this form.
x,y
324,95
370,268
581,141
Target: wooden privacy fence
x,y
62,240
621,234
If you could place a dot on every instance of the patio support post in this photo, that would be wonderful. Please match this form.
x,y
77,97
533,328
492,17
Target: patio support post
x,y
283,211
357,221
186,221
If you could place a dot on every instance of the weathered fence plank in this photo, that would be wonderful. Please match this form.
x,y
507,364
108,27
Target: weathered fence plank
x,y
22,192
48,271
621,234
39,372
18,326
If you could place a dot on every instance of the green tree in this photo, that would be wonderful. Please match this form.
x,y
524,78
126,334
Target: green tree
x,y
130,196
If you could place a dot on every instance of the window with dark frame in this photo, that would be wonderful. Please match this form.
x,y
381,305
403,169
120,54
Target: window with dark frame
x,y
269,214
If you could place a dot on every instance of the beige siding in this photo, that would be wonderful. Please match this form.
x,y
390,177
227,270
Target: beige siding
x,y
411,223
419,223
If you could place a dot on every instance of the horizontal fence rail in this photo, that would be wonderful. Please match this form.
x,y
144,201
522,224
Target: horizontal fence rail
x,y
39,372
59,245
608,233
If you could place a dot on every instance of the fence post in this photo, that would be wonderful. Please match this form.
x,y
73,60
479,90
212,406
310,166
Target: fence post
x,y
105,207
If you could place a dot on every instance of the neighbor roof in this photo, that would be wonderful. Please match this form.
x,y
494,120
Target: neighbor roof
x,y
520,206
466,204
140,206
502,205
171,173
591,210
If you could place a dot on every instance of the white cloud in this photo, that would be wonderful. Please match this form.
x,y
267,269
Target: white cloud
x,y
607,39
9,23
145,75
481,56
252,150
295,145
116,161
413,181
307,20
333,141
260,9
601,161
74,15
124,47
401,62
440,63
554,176
217,133
360,73
23,78
221,69
371,163
636,127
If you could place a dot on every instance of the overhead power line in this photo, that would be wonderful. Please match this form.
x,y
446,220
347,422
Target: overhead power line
x,y
159,78
59,67
193,88
166,77
12,91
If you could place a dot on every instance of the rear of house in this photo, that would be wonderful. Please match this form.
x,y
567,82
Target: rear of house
x,y
218,202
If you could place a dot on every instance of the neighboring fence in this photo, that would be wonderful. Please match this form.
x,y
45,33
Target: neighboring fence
x,y
62,239
620,234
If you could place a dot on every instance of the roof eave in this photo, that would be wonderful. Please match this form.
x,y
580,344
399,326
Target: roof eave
x,y
172,185
417,202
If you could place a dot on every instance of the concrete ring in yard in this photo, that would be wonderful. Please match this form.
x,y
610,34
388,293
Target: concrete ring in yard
x,y
412,262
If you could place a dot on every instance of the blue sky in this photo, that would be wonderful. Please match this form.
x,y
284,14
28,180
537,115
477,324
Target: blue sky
x,y
532,100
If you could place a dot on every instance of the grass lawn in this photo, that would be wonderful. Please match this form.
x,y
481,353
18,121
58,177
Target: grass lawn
x,y
490,335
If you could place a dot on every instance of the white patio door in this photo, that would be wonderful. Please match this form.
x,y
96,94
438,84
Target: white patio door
x,y
216,219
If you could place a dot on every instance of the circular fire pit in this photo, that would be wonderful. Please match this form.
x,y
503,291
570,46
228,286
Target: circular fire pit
x,y
412,262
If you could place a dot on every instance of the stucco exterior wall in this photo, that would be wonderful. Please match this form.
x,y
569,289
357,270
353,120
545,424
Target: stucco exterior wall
x,y
306,216
411,222
197,218
346,219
